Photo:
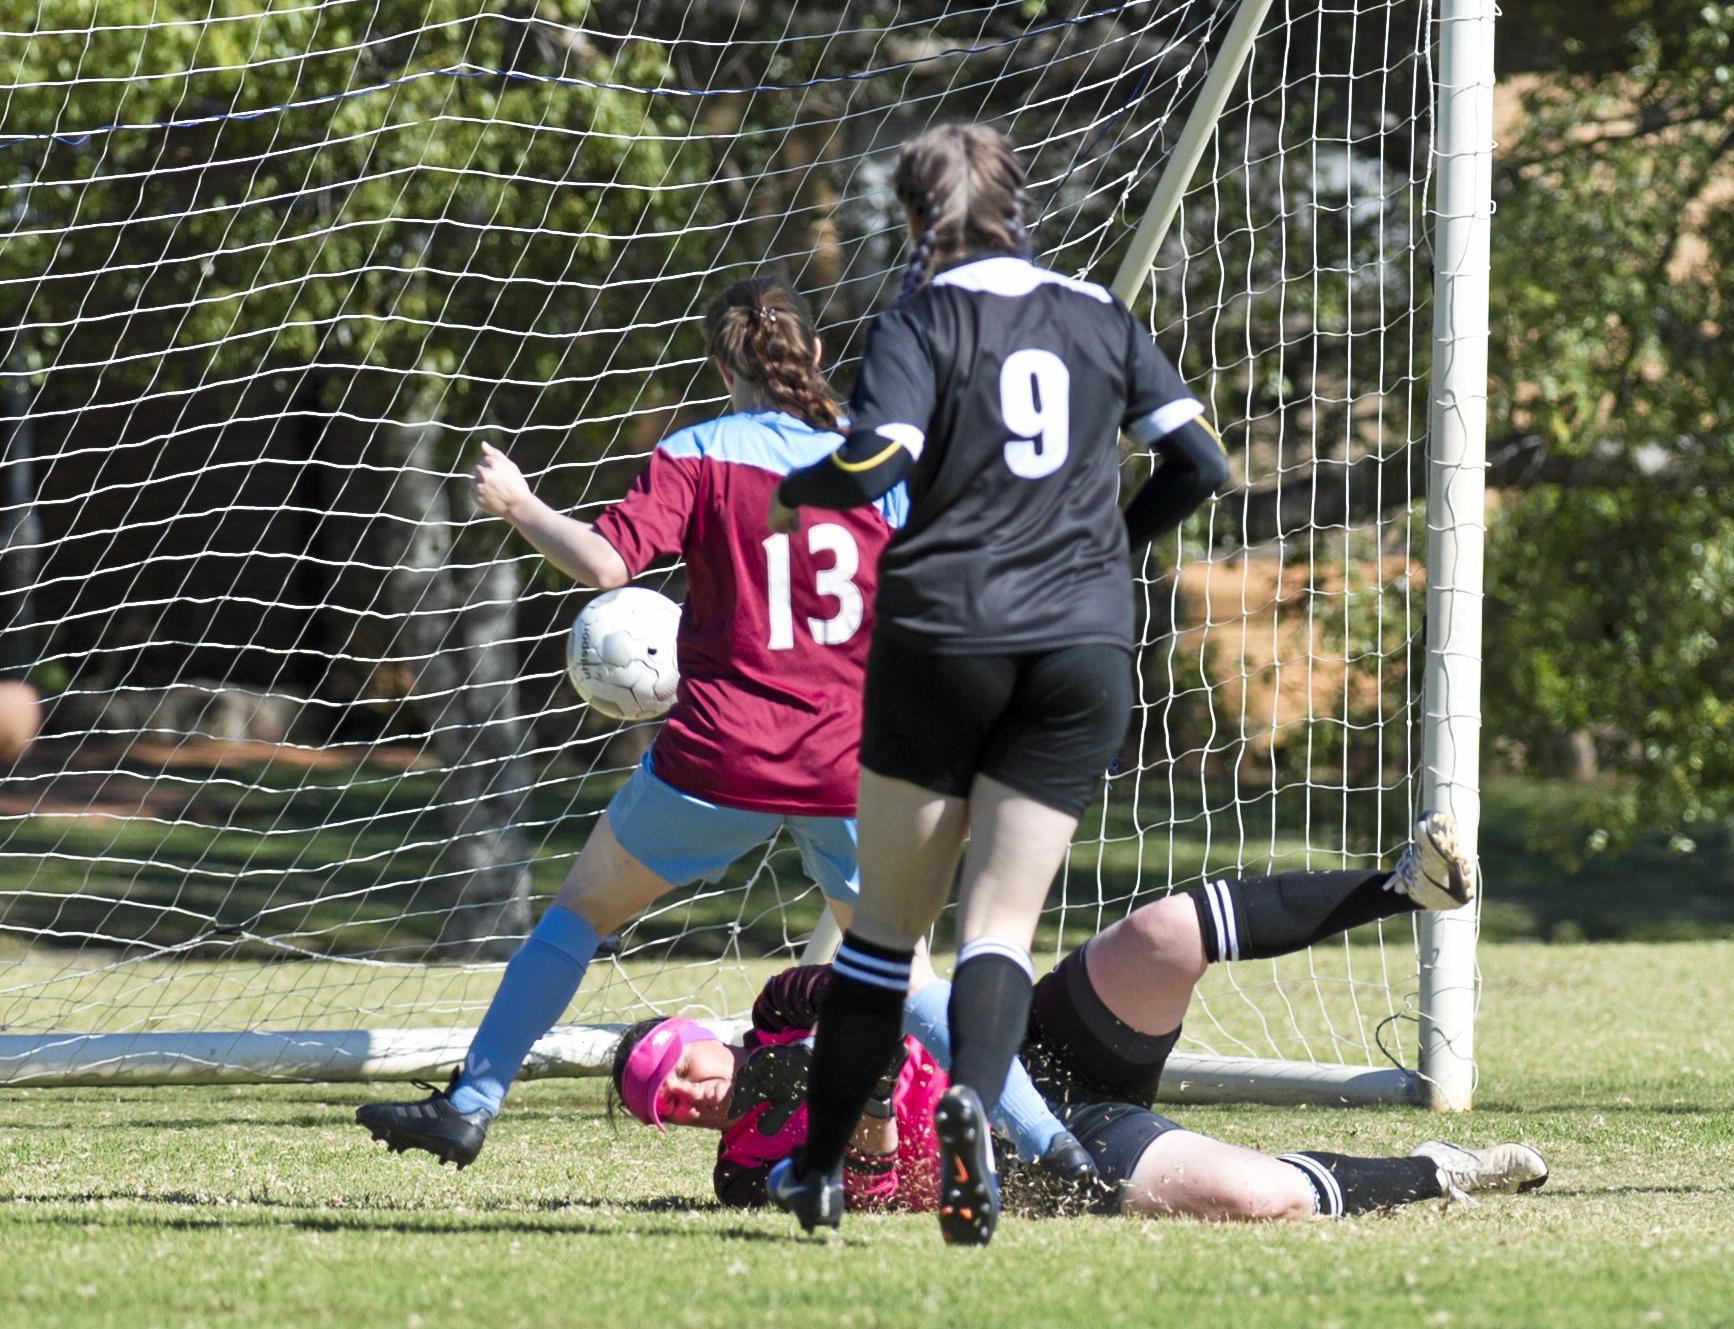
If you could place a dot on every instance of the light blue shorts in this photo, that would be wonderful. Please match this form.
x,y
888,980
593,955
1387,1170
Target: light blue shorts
x,y
683,839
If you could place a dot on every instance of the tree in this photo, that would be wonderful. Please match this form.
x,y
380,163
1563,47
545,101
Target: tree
x,y
1611,553
403,218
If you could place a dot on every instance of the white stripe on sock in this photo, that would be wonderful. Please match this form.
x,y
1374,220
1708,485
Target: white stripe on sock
x,y
1216,920
1010,950
1233,947
1324,1184
842,967
890,968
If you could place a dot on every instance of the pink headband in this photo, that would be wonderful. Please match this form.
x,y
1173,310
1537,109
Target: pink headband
x,y
649,1063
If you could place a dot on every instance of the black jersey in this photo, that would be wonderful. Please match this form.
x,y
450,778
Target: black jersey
x,y
1010,385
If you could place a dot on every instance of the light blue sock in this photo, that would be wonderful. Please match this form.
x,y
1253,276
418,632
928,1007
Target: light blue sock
x,y
538,985
1022,1113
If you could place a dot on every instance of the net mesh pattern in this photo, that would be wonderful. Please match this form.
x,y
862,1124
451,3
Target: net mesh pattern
x,y
270,275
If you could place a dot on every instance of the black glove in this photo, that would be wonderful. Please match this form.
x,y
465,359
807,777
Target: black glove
x,y
776,1076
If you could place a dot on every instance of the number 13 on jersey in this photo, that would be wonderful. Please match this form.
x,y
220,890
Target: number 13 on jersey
x,y
836,581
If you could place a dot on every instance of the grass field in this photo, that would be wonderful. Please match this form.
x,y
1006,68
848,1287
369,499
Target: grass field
x,y
266,1206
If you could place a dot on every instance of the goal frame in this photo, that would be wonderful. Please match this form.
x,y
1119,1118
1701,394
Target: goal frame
x,y
1444,1079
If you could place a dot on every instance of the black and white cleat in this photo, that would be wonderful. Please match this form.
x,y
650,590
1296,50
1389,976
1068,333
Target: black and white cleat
x,y
968,1183
1433,871
1508,1168
431,1124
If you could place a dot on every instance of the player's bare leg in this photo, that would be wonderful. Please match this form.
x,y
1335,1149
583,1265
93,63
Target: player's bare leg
x,y
606,886
1146,966
1183,1174
910,837
1016,846
604,889
1024,1117
1192,1175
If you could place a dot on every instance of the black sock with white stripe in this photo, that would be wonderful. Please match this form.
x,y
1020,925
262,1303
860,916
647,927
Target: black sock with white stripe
x,y
860,1024
1345,1185
989,1014
1259,918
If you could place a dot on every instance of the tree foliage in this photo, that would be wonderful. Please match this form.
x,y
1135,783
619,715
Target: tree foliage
x,y
399,186
1611,555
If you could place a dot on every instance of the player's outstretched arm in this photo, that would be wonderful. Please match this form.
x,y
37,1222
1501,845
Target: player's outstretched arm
x,y
500,490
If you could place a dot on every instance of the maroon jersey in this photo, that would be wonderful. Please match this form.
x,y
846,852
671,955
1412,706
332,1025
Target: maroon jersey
x,y
774,633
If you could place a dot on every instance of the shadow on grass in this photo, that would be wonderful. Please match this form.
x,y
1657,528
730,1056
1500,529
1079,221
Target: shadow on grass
x,y
1635,1107
179,1123
190,1212
1656,1190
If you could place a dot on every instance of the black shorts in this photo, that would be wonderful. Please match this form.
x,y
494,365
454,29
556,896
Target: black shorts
x,y
1097,1074
1116,1134
1046,724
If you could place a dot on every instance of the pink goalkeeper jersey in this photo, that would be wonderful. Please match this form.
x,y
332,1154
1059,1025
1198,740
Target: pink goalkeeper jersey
x,y
785,1012
774,632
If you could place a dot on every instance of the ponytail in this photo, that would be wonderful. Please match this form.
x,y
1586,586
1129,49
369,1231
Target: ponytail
x,y
964,186
920,261
761,330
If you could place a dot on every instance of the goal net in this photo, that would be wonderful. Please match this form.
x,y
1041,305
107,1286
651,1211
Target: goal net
x,y
271,274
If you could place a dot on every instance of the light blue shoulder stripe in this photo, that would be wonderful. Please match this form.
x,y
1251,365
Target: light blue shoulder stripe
x,y
768,440
772,442
893,505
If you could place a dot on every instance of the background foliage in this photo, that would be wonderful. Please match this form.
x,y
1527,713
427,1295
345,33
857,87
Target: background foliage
x,y
1611,544
289,327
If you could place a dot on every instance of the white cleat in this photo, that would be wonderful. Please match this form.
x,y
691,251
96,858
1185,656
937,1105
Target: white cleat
x,y
1433,871
1507,1168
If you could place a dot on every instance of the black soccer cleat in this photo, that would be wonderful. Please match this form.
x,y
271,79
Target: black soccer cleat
x,y
968,1183
816,1200
1068,1163
431,1124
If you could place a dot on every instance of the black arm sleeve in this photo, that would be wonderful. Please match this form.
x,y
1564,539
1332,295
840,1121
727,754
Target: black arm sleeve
x,y
889,412
1193,468
865,468
740,1185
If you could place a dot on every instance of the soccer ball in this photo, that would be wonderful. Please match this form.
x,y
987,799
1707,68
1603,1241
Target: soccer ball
x,y
620,654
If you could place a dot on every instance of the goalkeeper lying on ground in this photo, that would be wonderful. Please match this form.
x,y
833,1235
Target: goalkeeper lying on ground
x,y
1101,1027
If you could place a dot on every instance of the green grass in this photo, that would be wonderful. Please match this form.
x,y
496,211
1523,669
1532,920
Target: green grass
x,y
266,1206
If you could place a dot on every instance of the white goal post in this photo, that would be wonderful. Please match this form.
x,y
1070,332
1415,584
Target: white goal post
x,y
309,767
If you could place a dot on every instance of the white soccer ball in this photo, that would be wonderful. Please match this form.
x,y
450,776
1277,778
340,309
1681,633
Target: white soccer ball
x,y
621,655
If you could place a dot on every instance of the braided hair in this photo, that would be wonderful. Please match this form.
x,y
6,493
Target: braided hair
x,y
760,329
920,262
964,187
